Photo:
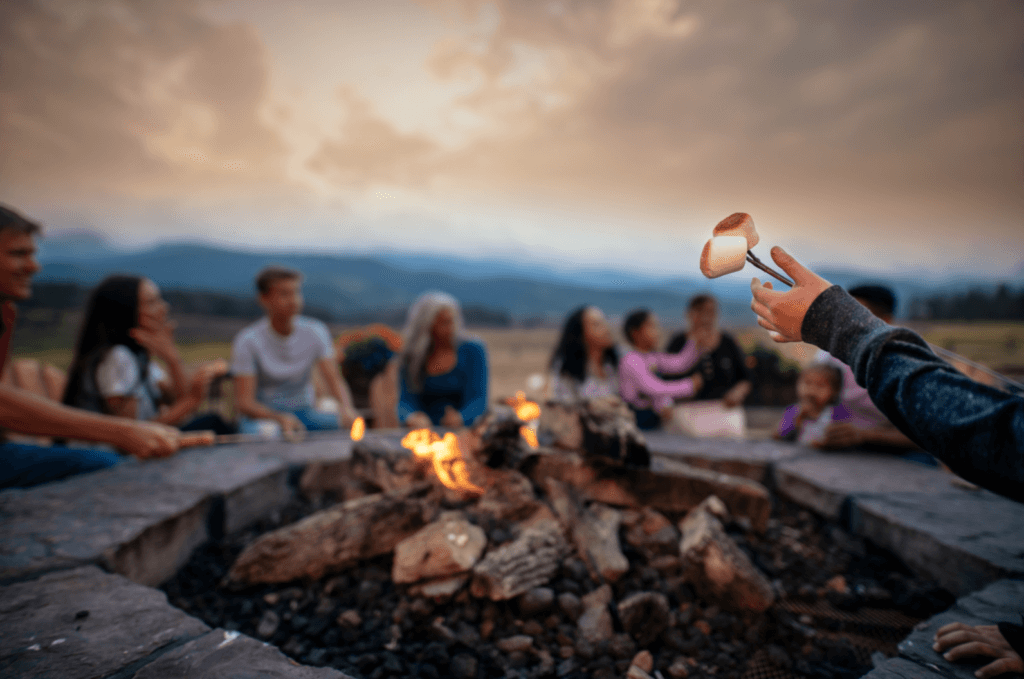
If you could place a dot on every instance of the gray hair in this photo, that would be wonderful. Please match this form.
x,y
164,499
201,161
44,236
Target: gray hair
x,y
416,339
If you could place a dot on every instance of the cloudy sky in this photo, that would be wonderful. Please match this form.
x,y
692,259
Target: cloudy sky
x,y
875,134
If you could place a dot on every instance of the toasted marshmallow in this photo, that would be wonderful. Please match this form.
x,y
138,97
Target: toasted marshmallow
x,y
738,224
722,255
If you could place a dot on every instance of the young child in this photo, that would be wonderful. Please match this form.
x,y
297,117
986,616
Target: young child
x,y
818,390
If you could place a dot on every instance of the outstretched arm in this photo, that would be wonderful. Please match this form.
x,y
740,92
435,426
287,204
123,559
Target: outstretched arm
x,y
27,413
975,429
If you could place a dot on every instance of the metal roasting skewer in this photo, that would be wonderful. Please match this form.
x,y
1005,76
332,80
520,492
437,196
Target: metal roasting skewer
x,y
752,258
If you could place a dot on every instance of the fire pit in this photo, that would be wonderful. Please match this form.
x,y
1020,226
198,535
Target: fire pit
x,y
580,557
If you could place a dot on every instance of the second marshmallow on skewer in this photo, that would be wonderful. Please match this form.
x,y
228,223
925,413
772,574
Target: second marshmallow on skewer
x,y
723,255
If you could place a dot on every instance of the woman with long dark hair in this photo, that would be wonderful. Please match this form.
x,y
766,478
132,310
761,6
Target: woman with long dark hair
x,y
585,363
112,372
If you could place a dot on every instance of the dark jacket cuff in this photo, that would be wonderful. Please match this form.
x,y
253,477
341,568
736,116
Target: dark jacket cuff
x,y
838,323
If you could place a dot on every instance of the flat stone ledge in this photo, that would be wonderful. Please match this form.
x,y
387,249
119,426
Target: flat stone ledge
x,y
221,654
898,668
1001,601
140,519
750,459
84,624
961,539
823,481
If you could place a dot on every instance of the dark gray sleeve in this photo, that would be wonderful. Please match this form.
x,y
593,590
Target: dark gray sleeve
x,y
974,428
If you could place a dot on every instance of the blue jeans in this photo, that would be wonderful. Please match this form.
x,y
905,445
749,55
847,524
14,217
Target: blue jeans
x,y
23,465
313,420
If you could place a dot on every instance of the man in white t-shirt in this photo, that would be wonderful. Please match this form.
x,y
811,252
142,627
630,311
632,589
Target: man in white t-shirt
x,y
273,360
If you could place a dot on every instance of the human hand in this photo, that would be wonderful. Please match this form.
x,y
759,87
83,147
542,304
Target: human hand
x,y
291,426
204,375
145,440
157,339
452,418
736,395
418,420
698,382
782,313
840,435
965,641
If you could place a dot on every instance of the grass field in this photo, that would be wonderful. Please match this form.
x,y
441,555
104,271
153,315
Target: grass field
x,y
516,354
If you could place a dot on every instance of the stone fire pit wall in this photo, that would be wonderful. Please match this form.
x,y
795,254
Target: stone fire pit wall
x,y
79,559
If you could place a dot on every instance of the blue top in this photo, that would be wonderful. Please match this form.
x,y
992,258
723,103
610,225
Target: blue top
x,y
975,429
463,388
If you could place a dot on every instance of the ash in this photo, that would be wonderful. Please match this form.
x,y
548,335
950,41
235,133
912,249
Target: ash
x,y
840,599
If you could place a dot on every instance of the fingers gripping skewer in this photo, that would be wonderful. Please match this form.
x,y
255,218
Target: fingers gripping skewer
x,y
752,258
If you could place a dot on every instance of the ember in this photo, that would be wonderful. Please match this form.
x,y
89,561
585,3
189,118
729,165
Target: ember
x,y
358,429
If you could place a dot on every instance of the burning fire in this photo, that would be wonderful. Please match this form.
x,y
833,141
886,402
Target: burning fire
x,y
526,411
358,429
445,455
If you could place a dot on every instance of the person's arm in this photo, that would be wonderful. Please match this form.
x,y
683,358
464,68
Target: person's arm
x,y
679,362
26,413
347,414
977,430
633,370
474,397
160,343
410,407
246,403
738,392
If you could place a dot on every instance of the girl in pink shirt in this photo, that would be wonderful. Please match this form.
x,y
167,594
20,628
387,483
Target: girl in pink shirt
x,y
649,396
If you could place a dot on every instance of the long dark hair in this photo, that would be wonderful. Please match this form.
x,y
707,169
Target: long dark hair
x,y
571,352
112,310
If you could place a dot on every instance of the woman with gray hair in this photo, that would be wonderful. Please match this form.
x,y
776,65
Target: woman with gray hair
x,y
443,372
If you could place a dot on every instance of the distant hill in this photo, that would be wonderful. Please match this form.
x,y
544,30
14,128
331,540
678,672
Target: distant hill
x,y
381,286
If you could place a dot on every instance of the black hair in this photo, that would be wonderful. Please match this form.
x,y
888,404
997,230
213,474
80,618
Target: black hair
x,y
835,376
12,220
633,321
879,296
700,300
571,351
112,310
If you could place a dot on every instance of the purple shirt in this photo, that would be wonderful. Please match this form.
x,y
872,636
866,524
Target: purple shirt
x,y
641,388
810,432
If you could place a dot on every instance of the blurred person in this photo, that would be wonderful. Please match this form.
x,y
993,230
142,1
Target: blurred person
x,y
23,465
867,427
585,363
112,372
650,397
443,373
818,390
723,366
977,430
272,362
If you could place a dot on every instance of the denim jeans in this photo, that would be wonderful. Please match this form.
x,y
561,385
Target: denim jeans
x,y
23,465
313,420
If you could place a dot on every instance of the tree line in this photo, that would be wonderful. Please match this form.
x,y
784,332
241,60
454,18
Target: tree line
x,y
1002,304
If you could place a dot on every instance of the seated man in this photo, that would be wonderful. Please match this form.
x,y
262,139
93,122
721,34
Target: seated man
x,y
273,359
23,465
866,427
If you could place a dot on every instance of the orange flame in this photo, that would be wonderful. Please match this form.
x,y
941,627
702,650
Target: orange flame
x,y
358,429
525,410
445,455
529,435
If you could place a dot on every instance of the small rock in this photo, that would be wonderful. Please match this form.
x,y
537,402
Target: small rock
x,y
679,669
602,596
644,660
566,651
565,667
836,584
644,615
463,666
533,628
536,601
703,626
519,642
595,625
621,646
268,625
635,672
350,619
486,628
571,605
272,598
